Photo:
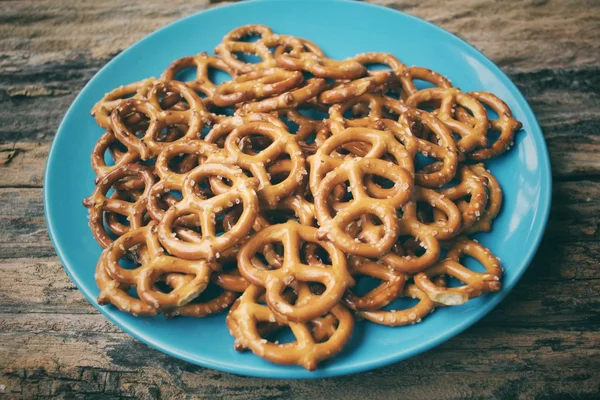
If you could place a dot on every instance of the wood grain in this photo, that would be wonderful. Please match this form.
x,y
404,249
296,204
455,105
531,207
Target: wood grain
x,y
541,342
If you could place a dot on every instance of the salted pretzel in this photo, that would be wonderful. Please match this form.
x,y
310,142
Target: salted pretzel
x,y
355,88
505,124
354,172
320,66
445,149
256,85
494,202
291,235
148,146
210,245
409,316
98,203
469,185
410,74
471,135
282,144
293,98
202,81
306,351
476,283
103,108
216,305
392,284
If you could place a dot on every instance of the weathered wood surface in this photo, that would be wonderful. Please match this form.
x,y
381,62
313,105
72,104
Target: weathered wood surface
x,y
541,342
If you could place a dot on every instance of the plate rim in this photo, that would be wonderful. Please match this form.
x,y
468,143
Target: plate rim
x,y
539,224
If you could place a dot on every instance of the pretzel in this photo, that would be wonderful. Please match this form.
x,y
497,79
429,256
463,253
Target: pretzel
x,y
282,143
410,74
210,245
227,50
202,82
412,315
308,128
471,135
98,203
354,171
334,277
103,108
470,184
320,66
379,297
494,200
148,146
381,58
476,283
306,351
294,98
256,85
215,305
445,150
348,90
505,124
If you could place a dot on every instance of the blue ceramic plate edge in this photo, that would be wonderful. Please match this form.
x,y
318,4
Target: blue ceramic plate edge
x,y
543,212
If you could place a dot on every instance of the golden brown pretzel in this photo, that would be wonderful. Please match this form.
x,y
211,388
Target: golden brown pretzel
x,y
306,351
354,172
355,88
282,144
103,108
149,146
392,284
291,235
98,203
228,49
320,66
102,145
256,85
494,203
476,283
471,135
294,98
412,315
505,124
209,246
410,74
445,150
216,305
202,82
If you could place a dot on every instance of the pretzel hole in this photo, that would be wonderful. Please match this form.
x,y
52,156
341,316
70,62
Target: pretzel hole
x,y
275,217
218,76
313,113
411,246
375,66
380,181
364,284
314,254
221,111
169,100
291,125
248,58
472,263
182,163
402,303
131,258
211,292
255,143
281,336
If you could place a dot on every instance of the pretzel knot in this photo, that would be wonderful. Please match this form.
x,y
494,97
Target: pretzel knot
x,y
316,340
354,171
291,236
392,284
148,146
209,245
476,283
505,124
282,144
471,136
348,90
114,280
98,204
202,81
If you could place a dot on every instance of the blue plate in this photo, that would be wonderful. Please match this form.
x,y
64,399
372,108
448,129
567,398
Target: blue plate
x,y
342,29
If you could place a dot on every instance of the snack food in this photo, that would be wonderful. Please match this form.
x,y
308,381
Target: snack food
x,y
325,173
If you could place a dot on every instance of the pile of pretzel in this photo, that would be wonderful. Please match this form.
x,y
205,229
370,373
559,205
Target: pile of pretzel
x,y
240,187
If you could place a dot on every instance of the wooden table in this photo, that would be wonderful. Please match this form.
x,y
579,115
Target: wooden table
x,y
542,341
